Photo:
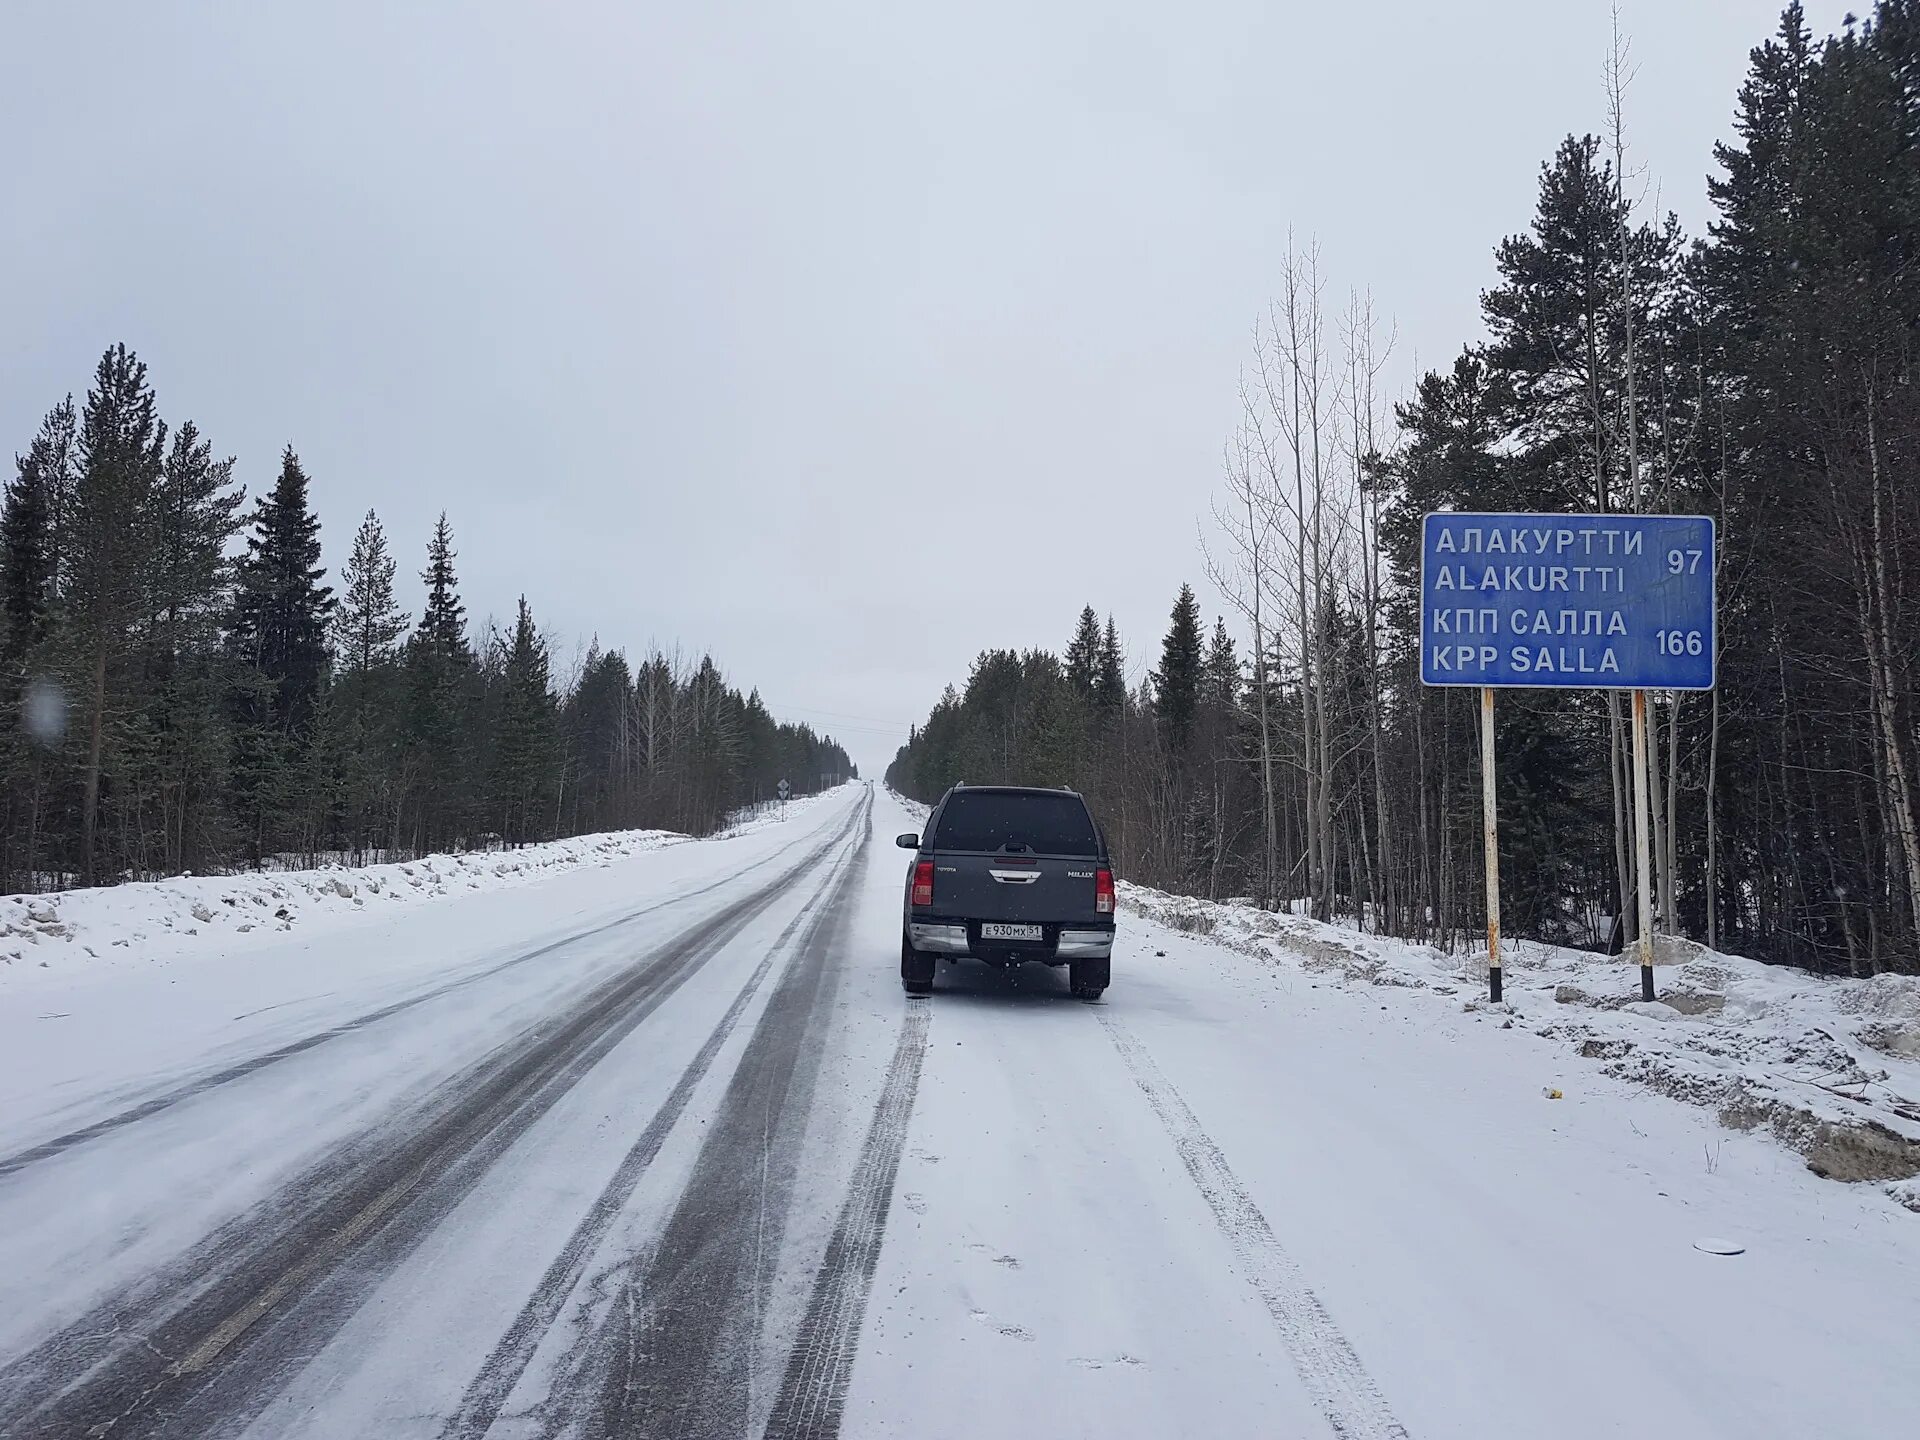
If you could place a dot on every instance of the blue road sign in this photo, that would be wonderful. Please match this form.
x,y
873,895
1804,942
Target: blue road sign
x,y
1614,602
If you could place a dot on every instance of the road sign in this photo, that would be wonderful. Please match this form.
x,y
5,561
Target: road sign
x,y
784,789
1615,602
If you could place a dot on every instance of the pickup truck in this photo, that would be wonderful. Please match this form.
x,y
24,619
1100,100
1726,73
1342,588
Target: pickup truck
x,y
1008,874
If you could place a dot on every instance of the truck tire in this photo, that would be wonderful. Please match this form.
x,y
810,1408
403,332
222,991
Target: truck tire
x,y
1089,978
916,970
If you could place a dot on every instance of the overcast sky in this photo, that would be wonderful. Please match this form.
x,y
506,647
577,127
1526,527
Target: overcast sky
x,y
839,339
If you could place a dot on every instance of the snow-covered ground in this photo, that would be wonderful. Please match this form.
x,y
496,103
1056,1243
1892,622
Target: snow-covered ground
x,y
657,1147
1831,1067
46,937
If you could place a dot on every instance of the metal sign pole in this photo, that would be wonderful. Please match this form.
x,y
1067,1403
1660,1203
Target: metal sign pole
x,y
1641,824
1491,829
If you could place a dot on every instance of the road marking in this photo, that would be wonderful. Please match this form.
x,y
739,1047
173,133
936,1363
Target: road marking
x,y
237,1324
166,1100
486,1395
814,1389
119,1349
1326,1361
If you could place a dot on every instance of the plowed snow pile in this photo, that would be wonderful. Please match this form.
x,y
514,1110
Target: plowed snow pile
x,y
135,925
1829,1066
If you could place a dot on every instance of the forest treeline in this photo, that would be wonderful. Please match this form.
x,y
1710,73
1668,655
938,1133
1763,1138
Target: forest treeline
x,y
1764,374
182,690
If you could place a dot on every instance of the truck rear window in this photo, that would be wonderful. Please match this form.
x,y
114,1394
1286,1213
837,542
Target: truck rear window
x,y
989,819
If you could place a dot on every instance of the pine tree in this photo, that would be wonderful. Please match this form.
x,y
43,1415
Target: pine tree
x,y
1176,683
196,509
27,568
55,453
195,517
121,442
1812,293
368,625
364,717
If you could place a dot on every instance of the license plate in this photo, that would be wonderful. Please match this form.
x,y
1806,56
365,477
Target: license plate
x,y
1011,932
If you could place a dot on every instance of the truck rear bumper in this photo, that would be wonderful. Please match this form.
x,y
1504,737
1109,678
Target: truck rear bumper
x,y
937,939
940,937
1084,944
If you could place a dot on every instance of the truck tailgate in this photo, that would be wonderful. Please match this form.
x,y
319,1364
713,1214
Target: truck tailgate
x,y
1039,889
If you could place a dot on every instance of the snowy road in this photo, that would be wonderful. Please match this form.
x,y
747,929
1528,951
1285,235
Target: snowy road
x,y
659,1148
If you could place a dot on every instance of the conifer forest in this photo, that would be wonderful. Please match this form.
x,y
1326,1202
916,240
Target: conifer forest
x,y
1764,374
190,686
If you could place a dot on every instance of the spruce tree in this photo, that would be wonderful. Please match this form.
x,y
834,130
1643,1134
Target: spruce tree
x,y
1177,682
525,751
442,702
443,627
603,763
712,743
281,610
1049,738
28,557
1083,655
277,638
1110,679
1221,682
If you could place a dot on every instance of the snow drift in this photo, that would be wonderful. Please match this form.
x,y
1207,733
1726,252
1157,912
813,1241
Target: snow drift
x,y
1829,1066
145,922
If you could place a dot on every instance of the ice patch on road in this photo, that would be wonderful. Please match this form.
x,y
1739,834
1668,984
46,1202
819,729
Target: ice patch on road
x,y
1830,1067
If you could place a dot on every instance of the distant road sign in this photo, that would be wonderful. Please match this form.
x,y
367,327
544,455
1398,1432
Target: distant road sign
x,y
784,789
1616,602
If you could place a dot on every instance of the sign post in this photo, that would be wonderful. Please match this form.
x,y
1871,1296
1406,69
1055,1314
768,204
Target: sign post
x,y
1491,833
1641,824
783,790
1607,602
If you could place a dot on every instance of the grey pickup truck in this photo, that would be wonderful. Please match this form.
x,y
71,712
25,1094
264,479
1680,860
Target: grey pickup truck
x,y
1008,874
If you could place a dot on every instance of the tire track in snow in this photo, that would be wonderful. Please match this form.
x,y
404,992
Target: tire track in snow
x,y
1329,1367
486,1395
813,1391
168,1098
199,1346
672,1351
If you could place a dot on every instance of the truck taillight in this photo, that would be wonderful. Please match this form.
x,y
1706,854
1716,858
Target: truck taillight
x,y
923,883
1103,891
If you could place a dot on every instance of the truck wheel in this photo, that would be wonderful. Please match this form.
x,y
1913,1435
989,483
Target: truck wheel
x,y
916,970
1089,978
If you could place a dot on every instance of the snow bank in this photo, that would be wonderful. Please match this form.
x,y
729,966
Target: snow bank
x,y
1829,1066
131,926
